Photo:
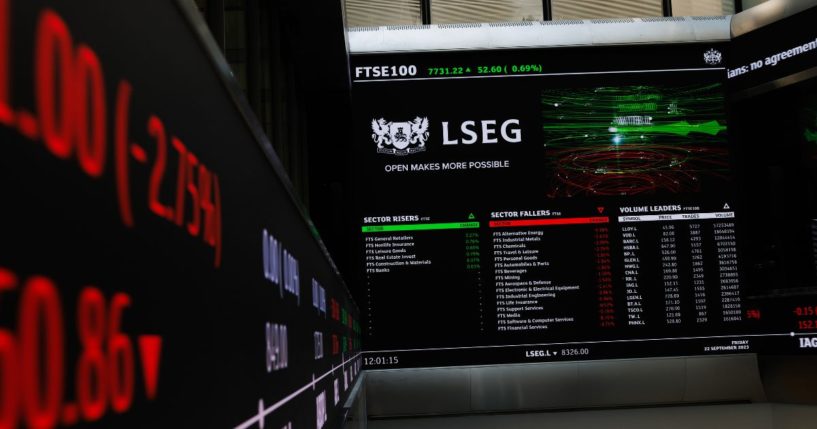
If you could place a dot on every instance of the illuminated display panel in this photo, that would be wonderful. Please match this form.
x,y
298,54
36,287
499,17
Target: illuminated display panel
x,y
552,204
773,92
154,269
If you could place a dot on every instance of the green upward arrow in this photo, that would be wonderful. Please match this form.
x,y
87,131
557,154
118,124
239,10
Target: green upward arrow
x,y
471,216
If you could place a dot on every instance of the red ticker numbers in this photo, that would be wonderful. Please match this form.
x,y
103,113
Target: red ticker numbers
x,y
32,360
604,276
805,311
71,121
806,317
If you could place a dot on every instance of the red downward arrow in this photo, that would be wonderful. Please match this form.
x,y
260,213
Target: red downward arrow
x,y
150,349
600,209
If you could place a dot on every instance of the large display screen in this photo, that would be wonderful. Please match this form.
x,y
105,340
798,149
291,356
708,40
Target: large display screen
x,y
552,204
773,98
155,269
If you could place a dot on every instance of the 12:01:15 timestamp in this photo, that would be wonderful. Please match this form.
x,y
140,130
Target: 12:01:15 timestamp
x,y
381,360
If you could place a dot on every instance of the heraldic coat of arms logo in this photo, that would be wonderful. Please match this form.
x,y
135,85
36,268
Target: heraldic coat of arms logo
x,y
713,57
400,138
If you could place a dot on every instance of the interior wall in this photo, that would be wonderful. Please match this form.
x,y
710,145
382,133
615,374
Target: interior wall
x,y
789,379
752,3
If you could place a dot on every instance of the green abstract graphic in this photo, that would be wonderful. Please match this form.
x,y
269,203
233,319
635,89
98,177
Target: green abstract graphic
x,y
810,135
628,140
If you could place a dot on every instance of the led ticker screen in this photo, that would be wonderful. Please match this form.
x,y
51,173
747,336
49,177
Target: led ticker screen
x,y
154,268
546,205
774,55
773,93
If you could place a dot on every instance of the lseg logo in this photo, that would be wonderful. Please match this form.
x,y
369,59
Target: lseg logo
x,y
400,138
406,138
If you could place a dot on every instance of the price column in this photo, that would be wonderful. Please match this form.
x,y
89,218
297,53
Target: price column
x,y
669,273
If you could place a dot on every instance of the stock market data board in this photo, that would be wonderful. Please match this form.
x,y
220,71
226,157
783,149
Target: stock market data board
x,y
550,204
155,268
